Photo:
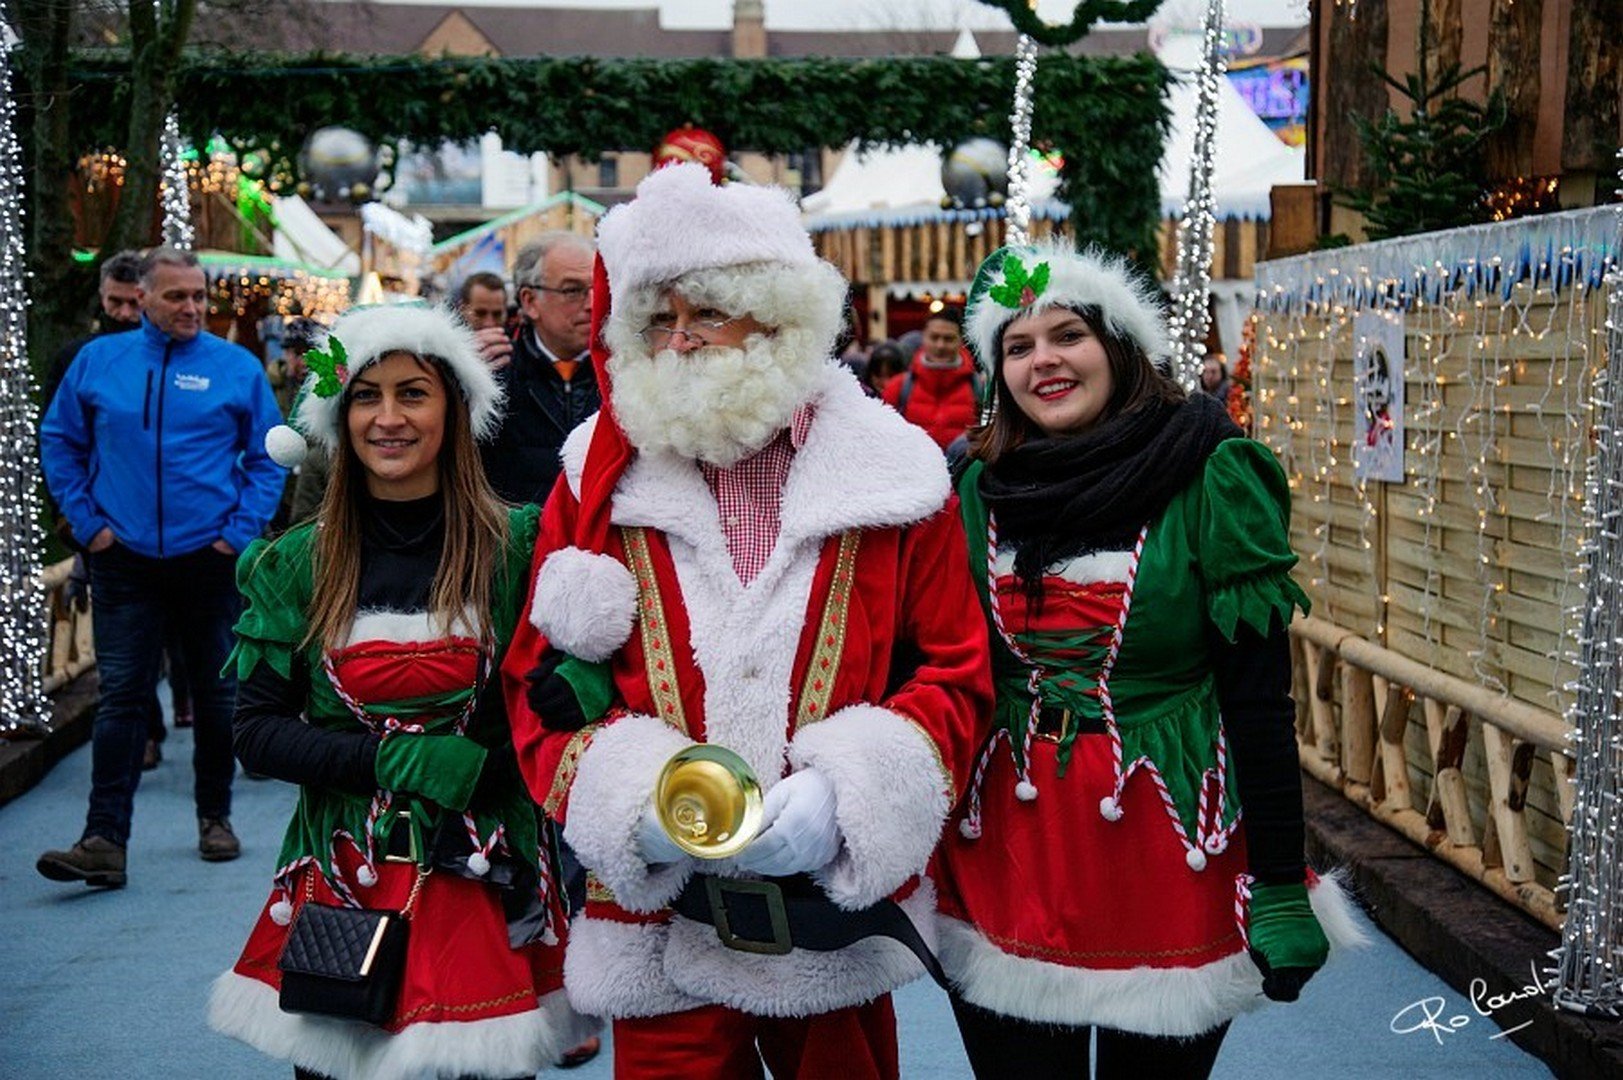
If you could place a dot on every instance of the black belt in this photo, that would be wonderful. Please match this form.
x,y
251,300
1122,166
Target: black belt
x,y
773,915
1057,722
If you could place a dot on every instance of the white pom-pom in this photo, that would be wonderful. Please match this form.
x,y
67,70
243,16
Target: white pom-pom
x,y
1196,859
1216,845
286,446
969,830
1025,791
281,913
367,877
585,602
549,937
478,864
1109,809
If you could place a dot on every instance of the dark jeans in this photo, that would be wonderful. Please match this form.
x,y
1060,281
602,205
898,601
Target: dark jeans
x,y
133,600
1000,1046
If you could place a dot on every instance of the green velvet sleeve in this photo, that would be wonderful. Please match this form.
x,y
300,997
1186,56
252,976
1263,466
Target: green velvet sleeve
x,y
274,580
1244,540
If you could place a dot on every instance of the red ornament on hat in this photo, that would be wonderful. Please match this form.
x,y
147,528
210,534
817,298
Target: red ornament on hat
x,y
688,143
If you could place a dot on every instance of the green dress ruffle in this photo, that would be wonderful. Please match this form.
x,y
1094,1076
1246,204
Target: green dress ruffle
x,y
276,583
1217,557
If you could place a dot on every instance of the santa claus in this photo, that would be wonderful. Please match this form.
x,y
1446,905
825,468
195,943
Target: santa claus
x,y
761,558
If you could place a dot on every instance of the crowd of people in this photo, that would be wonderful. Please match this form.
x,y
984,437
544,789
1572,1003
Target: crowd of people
x,y
997,623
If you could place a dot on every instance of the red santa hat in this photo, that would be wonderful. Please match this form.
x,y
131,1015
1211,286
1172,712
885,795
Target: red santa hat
x,y
742,248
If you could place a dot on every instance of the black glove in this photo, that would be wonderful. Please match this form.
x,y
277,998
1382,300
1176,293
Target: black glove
x,y
553,697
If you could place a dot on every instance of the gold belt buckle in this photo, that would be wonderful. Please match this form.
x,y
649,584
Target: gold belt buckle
x,y
716,889
414,851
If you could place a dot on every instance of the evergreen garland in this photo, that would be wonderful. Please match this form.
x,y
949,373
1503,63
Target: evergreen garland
x,y
1026,20
1107,116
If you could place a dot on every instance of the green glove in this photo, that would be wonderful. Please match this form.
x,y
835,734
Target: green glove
x,y
444,768
1287,943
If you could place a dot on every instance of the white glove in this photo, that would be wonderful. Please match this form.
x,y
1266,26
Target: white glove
x,y
654,844
800,832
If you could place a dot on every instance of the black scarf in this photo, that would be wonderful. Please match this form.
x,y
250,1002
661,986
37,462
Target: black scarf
x,y
1057,498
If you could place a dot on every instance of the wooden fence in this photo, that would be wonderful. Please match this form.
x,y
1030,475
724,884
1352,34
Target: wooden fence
x,y
1438,662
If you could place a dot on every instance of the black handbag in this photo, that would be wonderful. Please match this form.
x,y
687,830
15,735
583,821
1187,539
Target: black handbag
x,y
345,962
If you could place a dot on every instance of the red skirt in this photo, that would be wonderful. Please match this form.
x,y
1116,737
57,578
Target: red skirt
x,y
469,1003
1054,880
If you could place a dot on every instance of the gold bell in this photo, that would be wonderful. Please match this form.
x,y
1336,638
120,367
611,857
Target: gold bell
x,y
708,801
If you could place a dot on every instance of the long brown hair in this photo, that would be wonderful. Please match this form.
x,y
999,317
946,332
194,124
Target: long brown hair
x,y
1135,378
475,530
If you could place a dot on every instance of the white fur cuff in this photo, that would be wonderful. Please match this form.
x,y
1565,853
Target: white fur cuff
x,y
892,799
606,802
584,603
1333,906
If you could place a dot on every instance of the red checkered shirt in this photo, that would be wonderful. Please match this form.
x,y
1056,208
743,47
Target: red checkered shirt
x,y
749,496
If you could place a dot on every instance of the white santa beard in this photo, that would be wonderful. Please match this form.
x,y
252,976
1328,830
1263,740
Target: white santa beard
x,y
714,404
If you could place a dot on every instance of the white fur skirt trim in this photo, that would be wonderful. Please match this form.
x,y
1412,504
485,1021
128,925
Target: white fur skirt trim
x,y
515,1045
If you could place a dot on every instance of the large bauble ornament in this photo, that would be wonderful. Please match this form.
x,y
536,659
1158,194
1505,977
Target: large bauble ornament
x,y
688,143
975,171
335,159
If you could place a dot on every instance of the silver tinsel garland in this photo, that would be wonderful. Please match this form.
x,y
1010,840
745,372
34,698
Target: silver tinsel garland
x,y
1018,220
1588,977
1190,319
176,189
23,641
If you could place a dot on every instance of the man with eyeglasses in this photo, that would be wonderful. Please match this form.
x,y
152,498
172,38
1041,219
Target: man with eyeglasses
x,y
550,383
769,561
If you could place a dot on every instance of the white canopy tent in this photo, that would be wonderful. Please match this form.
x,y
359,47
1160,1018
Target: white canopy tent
x,y
303,237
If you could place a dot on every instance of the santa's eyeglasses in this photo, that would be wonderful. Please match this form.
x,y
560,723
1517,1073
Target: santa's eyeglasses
x,y
660,335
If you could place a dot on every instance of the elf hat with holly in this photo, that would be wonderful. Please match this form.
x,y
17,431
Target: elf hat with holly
x,y
1029,279
363,336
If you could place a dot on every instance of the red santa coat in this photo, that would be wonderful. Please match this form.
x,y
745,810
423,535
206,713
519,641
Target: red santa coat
x,y
789,680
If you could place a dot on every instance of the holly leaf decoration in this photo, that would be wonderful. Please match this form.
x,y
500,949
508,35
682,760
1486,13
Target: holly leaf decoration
x,y
1020,287
331,366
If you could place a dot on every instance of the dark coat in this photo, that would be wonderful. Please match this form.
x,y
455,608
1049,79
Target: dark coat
x,y
522,460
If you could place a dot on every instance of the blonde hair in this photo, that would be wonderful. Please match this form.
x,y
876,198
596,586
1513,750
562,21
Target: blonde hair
x,y
475,530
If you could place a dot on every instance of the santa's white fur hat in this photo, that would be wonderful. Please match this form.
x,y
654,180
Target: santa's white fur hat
x,y
1075,279
370,333
738,247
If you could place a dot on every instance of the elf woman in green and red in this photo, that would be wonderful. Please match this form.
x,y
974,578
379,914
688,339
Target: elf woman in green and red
x,y
1129,857
367,655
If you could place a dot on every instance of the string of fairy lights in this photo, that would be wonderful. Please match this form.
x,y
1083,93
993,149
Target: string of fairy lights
x,y
23,639
1017,229
1190,318
1588,977
175,189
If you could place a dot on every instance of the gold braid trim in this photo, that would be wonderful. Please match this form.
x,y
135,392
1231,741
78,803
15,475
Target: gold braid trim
x,y
656,638
564,776
818,687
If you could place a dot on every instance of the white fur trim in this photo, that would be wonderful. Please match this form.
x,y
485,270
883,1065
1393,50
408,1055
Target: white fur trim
x,y
617,969
803,982
574,450
1333,906
613,783
1098,566
1152,1001
1076,279
516,1045
286,446
892,799
371,333
585,602
681,222
404,627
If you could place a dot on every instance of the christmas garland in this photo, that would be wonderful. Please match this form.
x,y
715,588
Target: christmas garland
x,y
1026,20
1106,116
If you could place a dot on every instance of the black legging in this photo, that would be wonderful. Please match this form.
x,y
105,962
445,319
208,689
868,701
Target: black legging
x,y
1002,1046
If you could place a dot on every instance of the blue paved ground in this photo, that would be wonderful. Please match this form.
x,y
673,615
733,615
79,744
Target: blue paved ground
x,y
102,984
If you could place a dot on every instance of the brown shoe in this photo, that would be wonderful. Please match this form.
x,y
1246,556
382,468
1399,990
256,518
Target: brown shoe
x,y
153,755
95,860
215,840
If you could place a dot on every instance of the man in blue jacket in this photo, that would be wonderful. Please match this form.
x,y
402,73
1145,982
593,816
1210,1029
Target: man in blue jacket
x,y
154,448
